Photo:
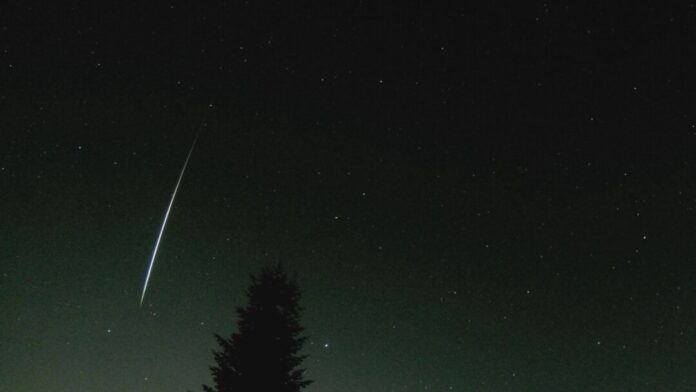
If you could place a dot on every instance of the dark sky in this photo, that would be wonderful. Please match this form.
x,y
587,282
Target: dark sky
x,y
474,197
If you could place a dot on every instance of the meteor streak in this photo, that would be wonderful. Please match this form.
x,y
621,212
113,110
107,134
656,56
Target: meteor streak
x,y
169,209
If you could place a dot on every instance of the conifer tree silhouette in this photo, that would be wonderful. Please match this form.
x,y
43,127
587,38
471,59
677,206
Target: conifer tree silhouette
x,y
263,355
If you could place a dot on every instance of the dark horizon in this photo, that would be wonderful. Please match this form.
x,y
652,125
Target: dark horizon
x,y
474,197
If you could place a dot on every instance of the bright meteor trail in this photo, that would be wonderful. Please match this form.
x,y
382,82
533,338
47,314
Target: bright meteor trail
x,y
166,215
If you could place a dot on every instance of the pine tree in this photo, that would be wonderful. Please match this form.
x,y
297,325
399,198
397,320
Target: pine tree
x,y
263,355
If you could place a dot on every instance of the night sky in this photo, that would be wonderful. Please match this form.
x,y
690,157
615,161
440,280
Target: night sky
x,y
474,197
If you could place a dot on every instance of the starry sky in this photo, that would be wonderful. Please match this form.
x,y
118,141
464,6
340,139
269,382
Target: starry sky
x,y
475,197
